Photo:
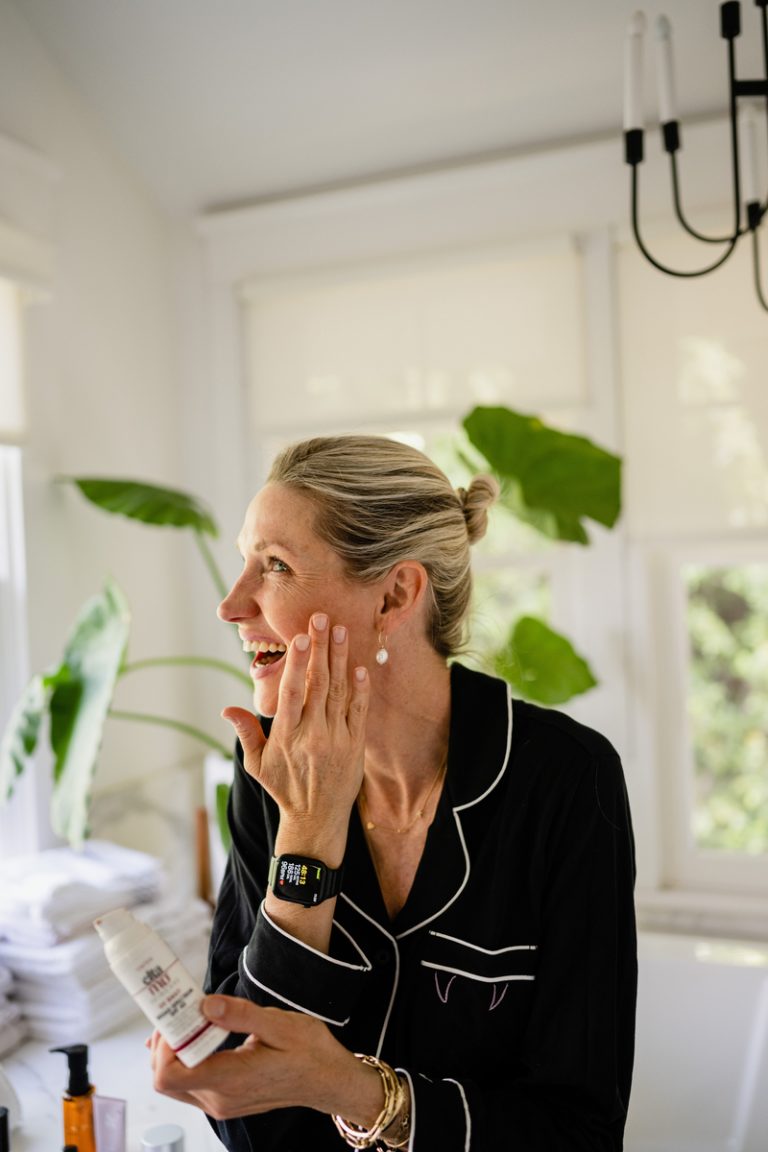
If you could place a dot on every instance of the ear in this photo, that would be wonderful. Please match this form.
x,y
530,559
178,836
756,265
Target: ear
x,y
404,595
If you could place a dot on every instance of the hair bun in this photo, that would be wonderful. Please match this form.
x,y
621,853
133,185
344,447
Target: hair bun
x,y
475,504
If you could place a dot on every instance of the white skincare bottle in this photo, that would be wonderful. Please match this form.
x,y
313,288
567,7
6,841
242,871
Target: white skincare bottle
x,y
160,985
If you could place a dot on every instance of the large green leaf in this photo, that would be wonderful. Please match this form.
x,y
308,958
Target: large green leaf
x,y
81,693
222,801
550,479
147,502
21,733
541,664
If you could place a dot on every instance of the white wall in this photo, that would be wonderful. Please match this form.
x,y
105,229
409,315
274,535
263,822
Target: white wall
x,y
103,388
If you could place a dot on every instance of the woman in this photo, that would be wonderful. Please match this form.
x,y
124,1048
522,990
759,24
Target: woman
x,y
423,872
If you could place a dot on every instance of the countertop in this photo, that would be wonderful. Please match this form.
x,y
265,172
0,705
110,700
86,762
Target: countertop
x,y
119,1066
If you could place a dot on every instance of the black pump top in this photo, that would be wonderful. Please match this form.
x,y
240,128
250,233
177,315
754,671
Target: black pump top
x,y
77,1057
4,1137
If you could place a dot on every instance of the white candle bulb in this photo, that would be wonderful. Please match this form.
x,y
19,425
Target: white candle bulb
x,y
665,77
633,73
749,153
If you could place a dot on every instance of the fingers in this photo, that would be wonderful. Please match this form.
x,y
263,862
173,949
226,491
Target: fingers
x,y
239,1015
358,705
250,735
293,683
318,676
316,684
169,1075
338,687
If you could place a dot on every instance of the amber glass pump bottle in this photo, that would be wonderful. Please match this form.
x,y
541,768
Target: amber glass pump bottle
x,y
77,1101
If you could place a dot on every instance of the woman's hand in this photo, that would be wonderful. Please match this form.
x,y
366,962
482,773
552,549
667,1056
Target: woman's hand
x,y
287,1060
312,763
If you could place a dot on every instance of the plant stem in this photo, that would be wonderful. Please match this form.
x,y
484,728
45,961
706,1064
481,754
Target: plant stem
x,y
177,725
198,661
211,564
213,569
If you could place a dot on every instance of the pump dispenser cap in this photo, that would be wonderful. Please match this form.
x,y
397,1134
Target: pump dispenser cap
x,y
113,923
77,1057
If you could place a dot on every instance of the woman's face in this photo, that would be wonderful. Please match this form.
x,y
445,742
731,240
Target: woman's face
x,y
288,574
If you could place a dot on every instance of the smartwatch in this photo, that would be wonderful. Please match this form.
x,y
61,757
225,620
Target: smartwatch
x,y
302,880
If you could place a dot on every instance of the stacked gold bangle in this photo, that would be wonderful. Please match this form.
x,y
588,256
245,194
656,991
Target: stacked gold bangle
x,y
395,1101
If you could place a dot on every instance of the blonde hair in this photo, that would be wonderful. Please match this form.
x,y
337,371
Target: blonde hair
x,y
379,502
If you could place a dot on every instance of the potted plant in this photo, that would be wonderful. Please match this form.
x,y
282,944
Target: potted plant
x,y
76,695
550,480
553,481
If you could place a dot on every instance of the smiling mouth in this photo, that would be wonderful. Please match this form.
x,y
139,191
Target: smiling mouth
x,y
265,652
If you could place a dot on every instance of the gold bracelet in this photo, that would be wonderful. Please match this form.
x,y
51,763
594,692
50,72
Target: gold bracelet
x,y
394,1095
401,1121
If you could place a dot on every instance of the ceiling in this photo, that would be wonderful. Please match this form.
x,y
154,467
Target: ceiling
x,y
218,102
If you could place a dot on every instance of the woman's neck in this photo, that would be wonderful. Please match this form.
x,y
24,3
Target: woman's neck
x,y
408,721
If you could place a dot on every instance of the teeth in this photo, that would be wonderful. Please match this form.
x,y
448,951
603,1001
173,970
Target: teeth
x,y
262,646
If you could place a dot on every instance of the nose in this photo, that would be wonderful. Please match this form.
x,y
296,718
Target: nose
x,y
240,602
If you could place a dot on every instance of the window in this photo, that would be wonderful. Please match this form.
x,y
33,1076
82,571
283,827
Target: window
x,y
669,374
727,626
694,366
17,823
11,402
394,342
414,345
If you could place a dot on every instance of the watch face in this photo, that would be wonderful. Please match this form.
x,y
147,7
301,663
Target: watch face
x,y
298,879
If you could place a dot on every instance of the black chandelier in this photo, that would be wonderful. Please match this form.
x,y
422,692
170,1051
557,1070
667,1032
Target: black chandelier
x,y
754,206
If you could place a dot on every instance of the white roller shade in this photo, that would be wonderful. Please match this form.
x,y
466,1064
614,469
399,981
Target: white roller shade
x,y
11,397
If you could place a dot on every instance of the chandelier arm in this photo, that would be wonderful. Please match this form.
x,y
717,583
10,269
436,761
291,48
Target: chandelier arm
x,y
662,267
734,138
756,269
679,210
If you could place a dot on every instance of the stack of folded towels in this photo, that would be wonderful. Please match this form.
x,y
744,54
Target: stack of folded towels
x,y
13,1027
62,984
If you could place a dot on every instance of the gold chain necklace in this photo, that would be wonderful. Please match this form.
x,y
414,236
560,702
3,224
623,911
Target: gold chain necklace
x,y
370,826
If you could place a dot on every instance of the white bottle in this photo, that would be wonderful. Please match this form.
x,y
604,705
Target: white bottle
x,y
160,985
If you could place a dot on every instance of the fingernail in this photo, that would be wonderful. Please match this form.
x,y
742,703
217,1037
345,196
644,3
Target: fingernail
x,y
320,621
360,674
339,633
301,642
213,1006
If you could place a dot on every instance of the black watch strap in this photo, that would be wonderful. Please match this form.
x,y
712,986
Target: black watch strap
x,y
303,880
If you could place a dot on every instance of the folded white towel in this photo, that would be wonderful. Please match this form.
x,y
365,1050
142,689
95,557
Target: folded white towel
x,y
68,992
52,895
13,1034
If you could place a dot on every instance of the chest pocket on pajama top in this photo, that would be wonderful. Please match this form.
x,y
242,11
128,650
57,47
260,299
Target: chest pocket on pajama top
x,y
469,980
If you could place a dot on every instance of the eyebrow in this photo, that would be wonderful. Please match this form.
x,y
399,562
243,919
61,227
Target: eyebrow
x,y
263,546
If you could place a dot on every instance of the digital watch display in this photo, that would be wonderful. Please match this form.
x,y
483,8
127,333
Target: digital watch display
x,y
302,880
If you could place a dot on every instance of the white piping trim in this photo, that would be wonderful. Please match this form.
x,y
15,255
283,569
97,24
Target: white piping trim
x,y
491,786
285,1000
458,891
486,951
460,808
473,975
366,967
467,1114
396,982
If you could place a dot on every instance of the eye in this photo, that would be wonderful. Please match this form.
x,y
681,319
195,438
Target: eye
x,y
275,564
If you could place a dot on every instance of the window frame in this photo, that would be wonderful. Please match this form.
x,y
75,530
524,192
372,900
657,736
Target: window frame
x,y
28,224
23,819
664,630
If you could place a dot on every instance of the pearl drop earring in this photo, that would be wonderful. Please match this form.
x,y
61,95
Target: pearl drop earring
x,y
382,655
